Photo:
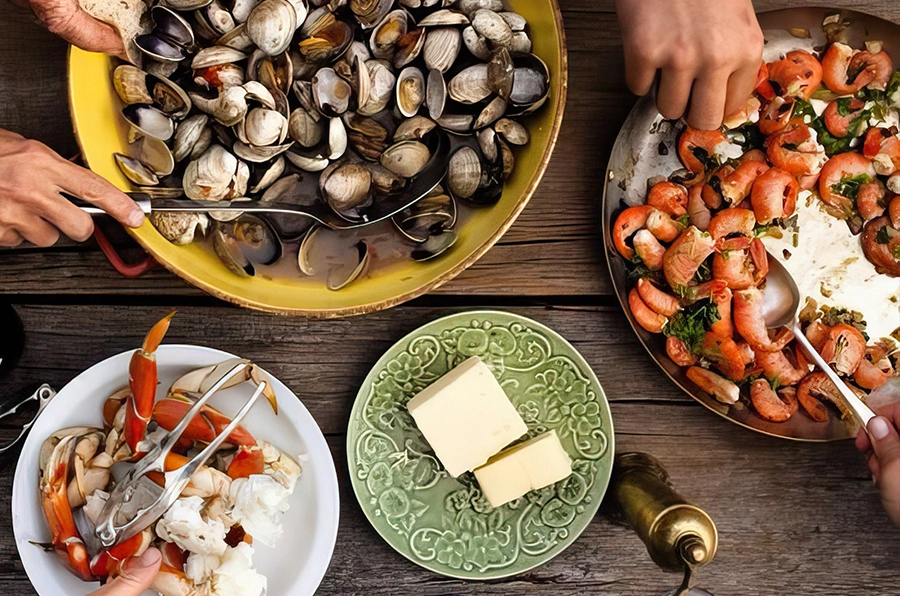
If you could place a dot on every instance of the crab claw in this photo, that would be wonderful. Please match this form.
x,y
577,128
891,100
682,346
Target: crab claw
x,y
106,564
205,426
66,540
247,461
199,381
142,380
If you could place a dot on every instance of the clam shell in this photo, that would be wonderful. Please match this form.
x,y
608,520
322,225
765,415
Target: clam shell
x,y
188,134
337,139
382,88
476,44
308,163
521,43
179,228
156,155
209,177
338,280
410,91
442,47
131,85
409,47
386,35
406,158
414,128
236,39
458,123
257,154
512,131
216,56
370,12
464,173
470,85
494,110
271,25
270,175
492,27
470,6
228,108
304,129
347,187
515,21
367,137
436,94
444,18
150,121
136,171
264,127
331,93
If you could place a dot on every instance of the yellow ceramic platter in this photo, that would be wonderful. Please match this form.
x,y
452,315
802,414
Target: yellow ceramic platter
x,y
101,131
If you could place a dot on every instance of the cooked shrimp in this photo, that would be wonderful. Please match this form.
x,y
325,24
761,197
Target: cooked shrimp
x,y
846,71
669,197
774,195
796,150
629,221
726,354
736,186
845,347
720,293
776,115
648,248
749,322
754,155
696,148
817,334
741,268
770,405
778,368
881,245
679,353
894,212
662,226
732,221
798,74
816,386
661,302
874,370
839,125
684,257
646,317
698,212
843,174
722,389
883,148
870,199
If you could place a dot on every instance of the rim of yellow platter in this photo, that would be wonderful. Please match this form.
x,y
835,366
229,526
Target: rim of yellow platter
x,y
101,131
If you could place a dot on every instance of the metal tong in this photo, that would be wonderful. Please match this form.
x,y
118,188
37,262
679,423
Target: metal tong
x,y
42,396
136,502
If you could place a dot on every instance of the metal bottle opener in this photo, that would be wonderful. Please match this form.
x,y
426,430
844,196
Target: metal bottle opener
x,y
42,396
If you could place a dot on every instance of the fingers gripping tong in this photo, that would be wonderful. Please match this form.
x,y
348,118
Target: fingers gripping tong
x,y
136,501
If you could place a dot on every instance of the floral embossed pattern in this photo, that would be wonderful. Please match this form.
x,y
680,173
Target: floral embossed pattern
x,y
445,524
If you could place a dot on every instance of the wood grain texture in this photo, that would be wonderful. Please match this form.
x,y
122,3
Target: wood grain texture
x,y
793,518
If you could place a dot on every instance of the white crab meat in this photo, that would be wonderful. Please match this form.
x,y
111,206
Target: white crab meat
x,y
280,466
236,575
94,504
184,525
258,502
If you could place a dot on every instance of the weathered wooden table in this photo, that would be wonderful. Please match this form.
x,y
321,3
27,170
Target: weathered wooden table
x,y
793,518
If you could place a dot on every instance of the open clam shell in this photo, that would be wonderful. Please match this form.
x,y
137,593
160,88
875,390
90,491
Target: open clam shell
x,y
136,171
150,121
410,91
271,25
246,243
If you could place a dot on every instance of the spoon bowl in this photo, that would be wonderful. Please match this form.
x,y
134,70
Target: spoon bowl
x,y
780,301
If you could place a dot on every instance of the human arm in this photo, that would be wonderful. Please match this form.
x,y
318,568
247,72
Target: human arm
x,y
707,54
882,448
31,207
66,19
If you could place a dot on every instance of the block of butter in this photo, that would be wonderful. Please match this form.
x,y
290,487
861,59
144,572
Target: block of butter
x,y
466,417
531,465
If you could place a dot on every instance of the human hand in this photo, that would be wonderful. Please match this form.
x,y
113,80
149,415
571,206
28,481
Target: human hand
x,y
136,576
31,208
883,453
66,19
708,53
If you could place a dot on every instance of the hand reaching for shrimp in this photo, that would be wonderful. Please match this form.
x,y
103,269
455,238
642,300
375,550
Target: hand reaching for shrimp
x,y
707,53
883,451
66,19
136,576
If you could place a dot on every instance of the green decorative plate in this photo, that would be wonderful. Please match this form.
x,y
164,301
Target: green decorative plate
x,y
445,524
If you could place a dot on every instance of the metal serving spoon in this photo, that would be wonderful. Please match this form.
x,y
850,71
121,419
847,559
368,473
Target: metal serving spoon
x,y
419,188
780,303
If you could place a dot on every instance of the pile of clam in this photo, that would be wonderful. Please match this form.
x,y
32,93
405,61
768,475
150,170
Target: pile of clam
x,y
336,103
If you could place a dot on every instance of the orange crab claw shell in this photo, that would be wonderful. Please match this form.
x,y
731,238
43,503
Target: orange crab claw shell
x,y
247,462
203,427
157,333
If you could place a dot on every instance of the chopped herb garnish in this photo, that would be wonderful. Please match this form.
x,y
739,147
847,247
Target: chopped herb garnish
x,y
849,185
691,324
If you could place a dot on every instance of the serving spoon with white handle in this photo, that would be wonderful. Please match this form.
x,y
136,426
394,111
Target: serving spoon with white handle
x,y
780,303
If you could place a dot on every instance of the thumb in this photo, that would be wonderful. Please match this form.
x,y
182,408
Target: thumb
x,y
886,444
72,23
136,576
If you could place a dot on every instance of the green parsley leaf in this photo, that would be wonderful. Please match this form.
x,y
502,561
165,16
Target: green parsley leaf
x,y
691,324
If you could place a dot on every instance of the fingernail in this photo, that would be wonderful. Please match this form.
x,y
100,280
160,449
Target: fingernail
x,y
878,428
150,557
135,219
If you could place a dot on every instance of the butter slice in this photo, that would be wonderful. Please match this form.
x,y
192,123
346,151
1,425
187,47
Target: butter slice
x,y
466,417
531,465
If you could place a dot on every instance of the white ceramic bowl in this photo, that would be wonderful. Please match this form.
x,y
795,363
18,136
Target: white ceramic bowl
x,y
301,558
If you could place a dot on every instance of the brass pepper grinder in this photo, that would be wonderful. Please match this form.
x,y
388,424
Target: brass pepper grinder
x,y
679,536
